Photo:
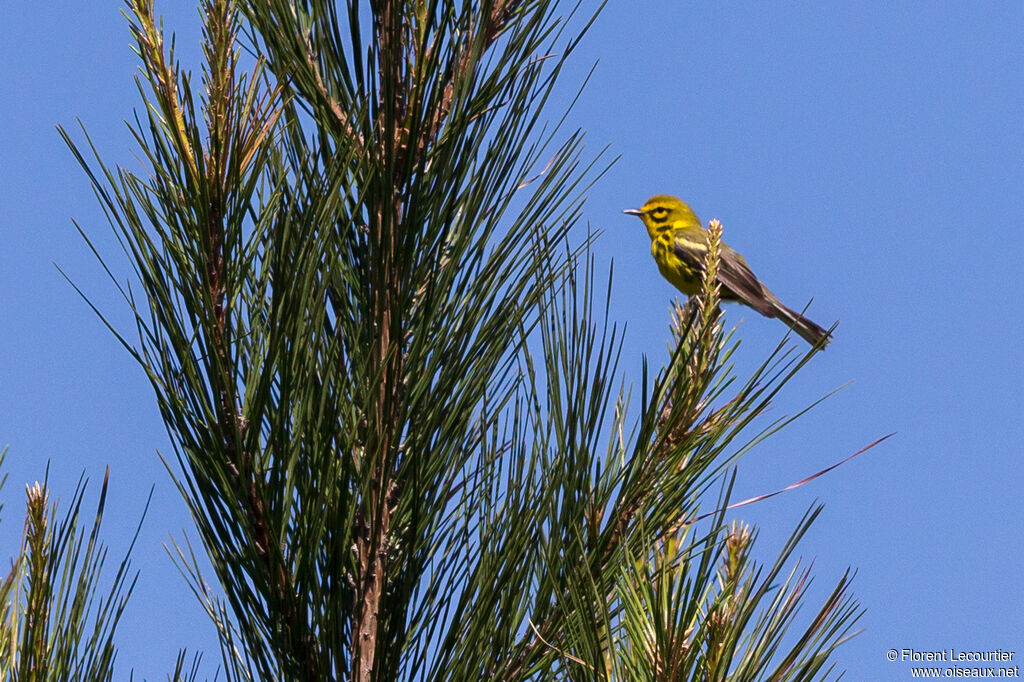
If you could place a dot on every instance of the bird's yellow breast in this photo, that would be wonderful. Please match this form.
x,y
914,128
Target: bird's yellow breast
x,y
672,268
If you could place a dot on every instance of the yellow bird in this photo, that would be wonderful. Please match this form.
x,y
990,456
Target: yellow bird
x,y
679,244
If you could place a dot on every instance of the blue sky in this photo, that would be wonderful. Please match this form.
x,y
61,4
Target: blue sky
x,y
868,155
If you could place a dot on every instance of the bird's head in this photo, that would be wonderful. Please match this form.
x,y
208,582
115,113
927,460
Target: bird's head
x,y
662,212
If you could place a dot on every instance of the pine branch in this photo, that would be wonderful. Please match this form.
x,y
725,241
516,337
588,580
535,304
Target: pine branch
x,y
472,47
341,283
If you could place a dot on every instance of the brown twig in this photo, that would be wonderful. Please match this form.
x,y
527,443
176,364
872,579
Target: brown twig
x,y
501,14
561,652
341,121
791,486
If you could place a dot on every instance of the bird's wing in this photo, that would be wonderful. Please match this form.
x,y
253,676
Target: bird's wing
x,y
736,276
733,274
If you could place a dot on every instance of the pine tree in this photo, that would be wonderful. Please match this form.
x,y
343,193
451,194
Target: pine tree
x,y
365,302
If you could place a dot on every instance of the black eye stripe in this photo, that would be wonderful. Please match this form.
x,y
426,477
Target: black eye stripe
x,y
659,213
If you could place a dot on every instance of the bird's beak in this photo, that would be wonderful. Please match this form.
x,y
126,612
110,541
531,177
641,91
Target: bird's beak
x,y
633,211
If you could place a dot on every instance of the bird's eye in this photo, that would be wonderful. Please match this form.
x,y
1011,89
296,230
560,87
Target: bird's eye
x,y
659,213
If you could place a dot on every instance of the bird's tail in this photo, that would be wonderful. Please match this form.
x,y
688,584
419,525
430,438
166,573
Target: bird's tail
x,y
808,331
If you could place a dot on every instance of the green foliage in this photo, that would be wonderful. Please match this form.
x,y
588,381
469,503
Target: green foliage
x,y
395,419
55,624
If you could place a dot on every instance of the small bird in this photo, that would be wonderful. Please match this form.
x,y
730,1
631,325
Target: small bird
x,y
679,244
